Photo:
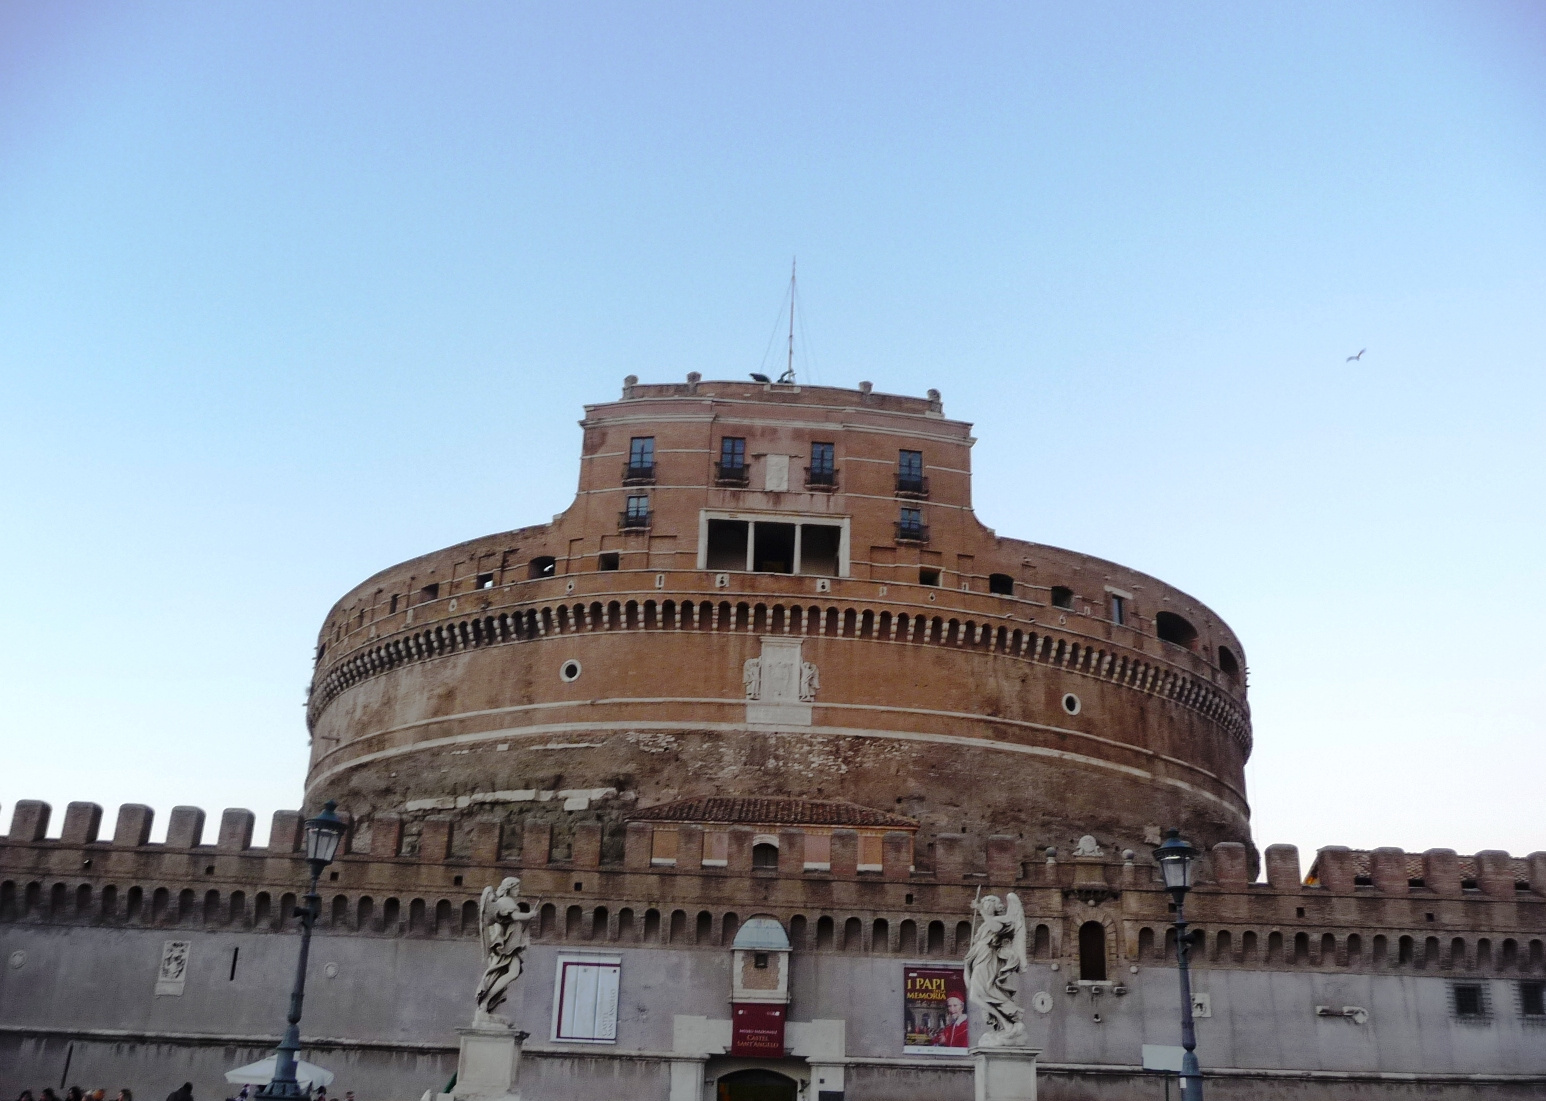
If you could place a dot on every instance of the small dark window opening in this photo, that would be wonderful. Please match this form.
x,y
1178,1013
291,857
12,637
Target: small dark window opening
x,y
232,976
1532,999
927,576
579,886
1175,630
544,566
1363,881
1228,662
773,548
394,604
764,856
1118,608
1062,597
429,592
332,877
760,961
819,546
1299,911
1001,583
1416,884
1468,1000
210,870
485,581
727,545
607,561
1469,885
1092,951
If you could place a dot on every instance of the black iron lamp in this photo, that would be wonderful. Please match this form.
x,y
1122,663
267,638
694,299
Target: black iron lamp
x,y
1177,860
324,834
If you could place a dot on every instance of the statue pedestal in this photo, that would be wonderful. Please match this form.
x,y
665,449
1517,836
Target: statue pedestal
x,y
1005,1073
489,1063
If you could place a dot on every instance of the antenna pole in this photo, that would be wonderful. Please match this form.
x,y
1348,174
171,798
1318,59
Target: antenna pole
x,y
789,370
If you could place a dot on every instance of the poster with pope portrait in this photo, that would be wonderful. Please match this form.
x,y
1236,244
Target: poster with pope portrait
x,y
934,1011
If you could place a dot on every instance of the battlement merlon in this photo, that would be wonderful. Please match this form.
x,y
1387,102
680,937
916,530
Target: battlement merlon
x,y
451,853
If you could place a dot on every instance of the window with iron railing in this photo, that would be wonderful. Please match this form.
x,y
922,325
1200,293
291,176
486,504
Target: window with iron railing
x,y
641,460
731,468
822,473
910,481
637,514
911,528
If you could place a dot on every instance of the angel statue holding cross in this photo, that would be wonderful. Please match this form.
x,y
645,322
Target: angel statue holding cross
x,y
997,951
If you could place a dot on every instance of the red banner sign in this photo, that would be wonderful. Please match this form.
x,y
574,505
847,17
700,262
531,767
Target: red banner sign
x,y
757,1030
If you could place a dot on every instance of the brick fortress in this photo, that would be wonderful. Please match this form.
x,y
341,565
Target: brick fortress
x,y
769,665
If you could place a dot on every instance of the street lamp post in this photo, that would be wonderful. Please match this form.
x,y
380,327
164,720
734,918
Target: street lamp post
x,y
323,834
1175,858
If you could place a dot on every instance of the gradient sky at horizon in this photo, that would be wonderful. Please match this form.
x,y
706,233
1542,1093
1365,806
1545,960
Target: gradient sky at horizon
x,y
292,292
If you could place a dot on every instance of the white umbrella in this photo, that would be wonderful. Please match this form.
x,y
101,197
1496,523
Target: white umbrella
x,y
309,1075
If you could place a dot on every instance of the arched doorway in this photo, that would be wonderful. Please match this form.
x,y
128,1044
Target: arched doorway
x,y
1092,951
756,1085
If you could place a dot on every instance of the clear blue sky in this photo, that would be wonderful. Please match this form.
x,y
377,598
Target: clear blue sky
x,y
290,292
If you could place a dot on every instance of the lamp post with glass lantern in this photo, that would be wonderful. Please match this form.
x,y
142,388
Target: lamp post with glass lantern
x,y
323,835
1175,858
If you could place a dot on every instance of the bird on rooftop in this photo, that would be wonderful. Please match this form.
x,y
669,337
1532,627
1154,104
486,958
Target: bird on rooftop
x,y
1361,351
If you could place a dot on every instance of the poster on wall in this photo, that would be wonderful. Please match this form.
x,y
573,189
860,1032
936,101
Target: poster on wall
x,y
934,1011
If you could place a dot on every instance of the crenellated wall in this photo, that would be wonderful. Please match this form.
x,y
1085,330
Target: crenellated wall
x,y
1495,928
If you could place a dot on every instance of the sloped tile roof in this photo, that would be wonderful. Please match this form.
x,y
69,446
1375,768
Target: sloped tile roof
x,y
770,811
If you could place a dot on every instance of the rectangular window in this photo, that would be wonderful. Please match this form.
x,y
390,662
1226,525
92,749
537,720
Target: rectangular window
x,y
822,472
910,527
485,581
927,576
909,474
641,459
585,999
1470,1002
637,514
870,848
1118,609
607,560
716,848
818,851
732,454
1532,999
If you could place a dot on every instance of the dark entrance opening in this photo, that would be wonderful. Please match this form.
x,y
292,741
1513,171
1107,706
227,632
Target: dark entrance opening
x,y
1092,951
774,549
756,1085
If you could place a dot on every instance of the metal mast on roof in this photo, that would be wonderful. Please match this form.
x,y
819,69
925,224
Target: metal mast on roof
x,y
788,375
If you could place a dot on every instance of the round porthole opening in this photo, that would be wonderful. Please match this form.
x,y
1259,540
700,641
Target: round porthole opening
x,y
569,671
1070,703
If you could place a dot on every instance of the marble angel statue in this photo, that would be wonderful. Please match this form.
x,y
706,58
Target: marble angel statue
x,y
997,951
503,925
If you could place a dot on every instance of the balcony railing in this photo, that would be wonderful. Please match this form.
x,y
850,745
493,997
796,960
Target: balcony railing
x,y
633,521
912,533
912,485
820,481
635,474
729,475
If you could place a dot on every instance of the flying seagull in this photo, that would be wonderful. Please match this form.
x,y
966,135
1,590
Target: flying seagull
x,y
1359,356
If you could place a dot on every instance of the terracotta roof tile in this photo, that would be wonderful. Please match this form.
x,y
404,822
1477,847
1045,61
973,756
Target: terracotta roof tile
x,y
768,811
1416,868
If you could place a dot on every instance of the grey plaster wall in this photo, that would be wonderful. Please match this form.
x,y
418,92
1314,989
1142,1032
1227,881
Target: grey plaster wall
x,y
388,1017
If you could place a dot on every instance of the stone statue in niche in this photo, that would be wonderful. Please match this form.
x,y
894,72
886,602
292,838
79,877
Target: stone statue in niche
x,y
504,927
998,951
810,681
751,678
1087,847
